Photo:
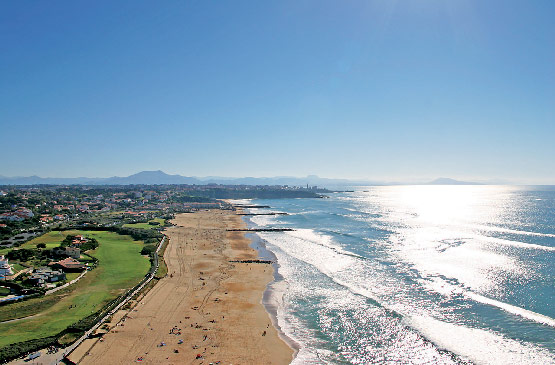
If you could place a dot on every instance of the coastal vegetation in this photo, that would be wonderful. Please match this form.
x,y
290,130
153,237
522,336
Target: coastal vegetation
x,y
120,267
155,223
122,227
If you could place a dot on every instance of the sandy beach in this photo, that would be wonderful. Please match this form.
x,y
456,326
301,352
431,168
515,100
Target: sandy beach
x,y
206,310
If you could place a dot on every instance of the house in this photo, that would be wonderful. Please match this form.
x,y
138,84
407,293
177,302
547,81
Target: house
x,y
5,269
46,219
46,275
27,213
78,241
11,217
17,216
83,208
74,252
68,265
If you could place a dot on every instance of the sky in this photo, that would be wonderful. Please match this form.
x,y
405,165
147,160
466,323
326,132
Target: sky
x,y
382,90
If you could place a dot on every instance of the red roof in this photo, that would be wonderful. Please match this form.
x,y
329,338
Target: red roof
x,y
69,263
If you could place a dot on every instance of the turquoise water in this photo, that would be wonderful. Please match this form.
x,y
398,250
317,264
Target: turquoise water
x,y
417,274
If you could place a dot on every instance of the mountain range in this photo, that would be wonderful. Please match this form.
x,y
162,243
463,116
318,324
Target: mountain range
x,y
160,177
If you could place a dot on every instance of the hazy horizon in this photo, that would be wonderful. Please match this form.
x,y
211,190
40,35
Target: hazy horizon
x,y
414,180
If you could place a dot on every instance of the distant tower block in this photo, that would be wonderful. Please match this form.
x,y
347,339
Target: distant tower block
x,y
5,268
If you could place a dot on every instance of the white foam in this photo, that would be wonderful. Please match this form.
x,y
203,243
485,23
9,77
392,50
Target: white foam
x,y
441,286
525,313
484,347
516,243
312,236
478,345
507,230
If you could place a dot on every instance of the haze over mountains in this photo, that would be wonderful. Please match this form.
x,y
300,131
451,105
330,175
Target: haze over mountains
x,y
160,177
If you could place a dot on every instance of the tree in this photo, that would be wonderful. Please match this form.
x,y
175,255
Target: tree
x,y
22,254
148,250
41,245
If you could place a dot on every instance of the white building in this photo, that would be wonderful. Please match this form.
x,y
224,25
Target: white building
x,y
5,268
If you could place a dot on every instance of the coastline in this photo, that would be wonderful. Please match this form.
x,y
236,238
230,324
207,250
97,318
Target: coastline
x,y
207,309
271,298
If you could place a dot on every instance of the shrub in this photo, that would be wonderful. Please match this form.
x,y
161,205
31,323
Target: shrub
x,y
23,254
148,250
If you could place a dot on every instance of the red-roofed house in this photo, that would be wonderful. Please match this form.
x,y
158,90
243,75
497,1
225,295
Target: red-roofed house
x,y
68,265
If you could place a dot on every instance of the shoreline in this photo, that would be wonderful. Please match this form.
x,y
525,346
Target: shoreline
x,y
207,308
269,298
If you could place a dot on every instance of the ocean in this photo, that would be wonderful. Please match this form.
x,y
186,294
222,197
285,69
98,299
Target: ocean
x,y
415,274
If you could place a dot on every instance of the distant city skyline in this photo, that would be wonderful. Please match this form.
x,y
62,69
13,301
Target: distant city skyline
x,y
376,90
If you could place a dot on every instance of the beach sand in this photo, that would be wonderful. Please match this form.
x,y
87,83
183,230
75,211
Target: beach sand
x,y
211,304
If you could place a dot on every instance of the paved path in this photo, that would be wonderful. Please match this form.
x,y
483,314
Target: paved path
x,y
66,284
56,358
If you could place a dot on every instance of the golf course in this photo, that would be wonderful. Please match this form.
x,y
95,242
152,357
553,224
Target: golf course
x,y
120,267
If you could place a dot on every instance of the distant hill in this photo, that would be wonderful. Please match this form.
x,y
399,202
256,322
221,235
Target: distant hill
x,y
448,181
151,178
161,178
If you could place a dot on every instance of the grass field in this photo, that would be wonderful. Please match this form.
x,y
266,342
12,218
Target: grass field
x,y
146,225
72,275
17,268
51,239
120,267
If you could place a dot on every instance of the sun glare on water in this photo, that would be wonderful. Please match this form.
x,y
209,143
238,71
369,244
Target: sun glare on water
x,y
440,230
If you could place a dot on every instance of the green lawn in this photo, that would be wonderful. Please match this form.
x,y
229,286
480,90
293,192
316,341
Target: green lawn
x,y
17,268
120,267
51,239
72,275
146,225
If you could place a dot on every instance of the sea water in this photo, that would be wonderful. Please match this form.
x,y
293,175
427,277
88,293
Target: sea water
x,y
416,274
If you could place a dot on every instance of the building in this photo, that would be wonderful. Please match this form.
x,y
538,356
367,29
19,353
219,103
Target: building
x,y
27,213
78,241
74,252
68,265
46,275
5,269
11,217
46,219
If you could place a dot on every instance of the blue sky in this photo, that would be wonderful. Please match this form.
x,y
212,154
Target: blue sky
x,y
385,90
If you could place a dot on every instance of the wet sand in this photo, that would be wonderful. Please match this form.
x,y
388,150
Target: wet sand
x,y
211,305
